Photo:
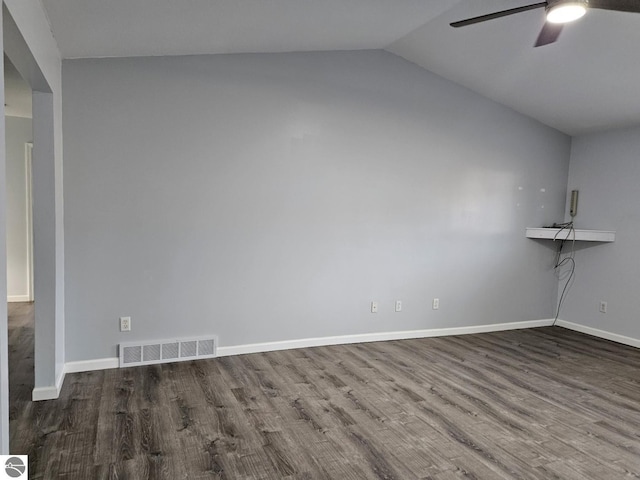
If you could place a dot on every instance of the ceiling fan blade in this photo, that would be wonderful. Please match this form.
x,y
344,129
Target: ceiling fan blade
x,y
549,34
632,6
503,13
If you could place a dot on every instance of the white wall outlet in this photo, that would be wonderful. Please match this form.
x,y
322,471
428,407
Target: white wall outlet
x,y
398,305
374,307
125,324
603,307
436,304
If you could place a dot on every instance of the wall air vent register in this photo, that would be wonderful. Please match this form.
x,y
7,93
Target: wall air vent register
x,y
165,351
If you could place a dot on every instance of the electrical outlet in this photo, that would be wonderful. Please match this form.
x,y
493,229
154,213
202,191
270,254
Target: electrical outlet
x,y
436,304
398,305
374,307
125,324
603,307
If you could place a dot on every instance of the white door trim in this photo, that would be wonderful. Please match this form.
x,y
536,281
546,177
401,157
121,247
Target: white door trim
x,y
28,150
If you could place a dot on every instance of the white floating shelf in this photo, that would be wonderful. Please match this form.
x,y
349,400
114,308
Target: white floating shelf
x,y
580,235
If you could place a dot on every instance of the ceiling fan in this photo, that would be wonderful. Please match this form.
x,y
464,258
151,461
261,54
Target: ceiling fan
x,y
558,13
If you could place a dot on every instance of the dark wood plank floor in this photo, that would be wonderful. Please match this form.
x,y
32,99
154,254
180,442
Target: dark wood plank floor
x,y
21,345
543,403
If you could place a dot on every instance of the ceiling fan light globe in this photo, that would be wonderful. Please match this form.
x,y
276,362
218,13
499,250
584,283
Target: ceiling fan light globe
x,y
566,12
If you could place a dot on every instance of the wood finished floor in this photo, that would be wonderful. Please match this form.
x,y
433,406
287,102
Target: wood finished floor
x,y
544,403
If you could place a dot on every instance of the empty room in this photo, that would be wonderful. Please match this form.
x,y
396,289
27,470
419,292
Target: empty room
x,y
342,239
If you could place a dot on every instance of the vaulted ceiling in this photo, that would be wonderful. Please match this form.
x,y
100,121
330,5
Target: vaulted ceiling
x,y
588,81
17,101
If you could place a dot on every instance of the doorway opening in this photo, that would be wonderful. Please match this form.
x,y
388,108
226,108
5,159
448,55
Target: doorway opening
x,y
19,251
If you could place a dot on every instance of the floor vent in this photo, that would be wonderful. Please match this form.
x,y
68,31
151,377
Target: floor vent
x,y
165,351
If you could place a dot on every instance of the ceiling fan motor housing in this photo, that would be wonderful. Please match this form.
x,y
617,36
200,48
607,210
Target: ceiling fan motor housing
x,y
556,3
565,11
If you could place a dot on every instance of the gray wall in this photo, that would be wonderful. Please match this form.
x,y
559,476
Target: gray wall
x,y
605,169
18,132
273,197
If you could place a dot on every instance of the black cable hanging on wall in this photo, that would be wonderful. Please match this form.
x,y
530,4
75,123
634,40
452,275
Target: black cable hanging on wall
x,y
569,259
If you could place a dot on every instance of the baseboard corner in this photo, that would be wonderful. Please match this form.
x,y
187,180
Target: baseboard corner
x,y
50,392
596,332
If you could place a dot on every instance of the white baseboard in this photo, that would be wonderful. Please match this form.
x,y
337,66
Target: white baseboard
x,y
45,393
376,337
614,337
49,393
91,365
53,392
18,298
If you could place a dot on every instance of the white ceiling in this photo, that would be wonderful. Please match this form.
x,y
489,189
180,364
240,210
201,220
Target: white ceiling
x,y
117,28
589,80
